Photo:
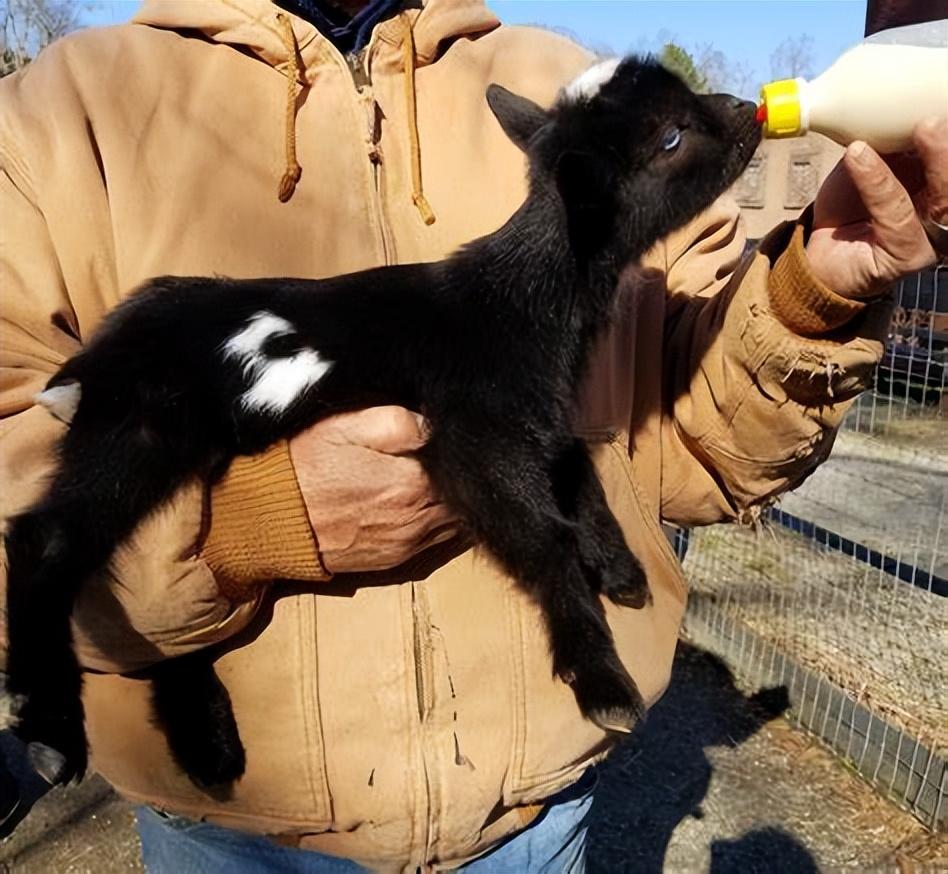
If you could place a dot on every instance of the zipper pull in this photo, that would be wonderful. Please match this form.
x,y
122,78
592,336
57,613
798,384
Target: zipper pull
x,y
356,63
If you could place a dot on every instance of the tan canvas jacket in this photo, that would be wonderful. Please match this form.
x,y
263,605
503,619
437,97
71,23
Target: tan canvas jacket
x,y
411,719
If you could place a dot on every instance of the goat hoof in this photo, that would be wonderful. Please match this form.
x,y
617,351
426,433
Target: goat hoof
x,y
625,584
50,764
629,596
212,767
54,732
60,757
610,699
617,720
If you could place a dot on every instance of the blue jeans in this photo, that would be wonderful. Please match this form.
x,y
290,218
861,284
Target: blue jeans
x,y
554,843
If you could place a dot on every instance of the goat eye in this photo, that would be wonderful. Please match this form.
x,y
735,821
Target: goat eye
x,y
671,139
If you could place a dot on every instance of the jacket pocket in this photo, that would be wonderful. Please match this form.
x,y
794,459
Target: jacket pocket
x,y
270,673
552,742
286,757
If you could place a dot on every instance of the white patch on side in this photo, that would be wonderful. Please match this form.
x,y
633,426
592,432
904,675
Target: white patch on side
x,y
277,382
587,85
247,344
280,381
61,400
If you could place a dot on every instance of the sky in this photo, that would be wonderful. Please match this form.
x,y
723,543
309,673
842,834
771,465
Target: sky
x,y
746,31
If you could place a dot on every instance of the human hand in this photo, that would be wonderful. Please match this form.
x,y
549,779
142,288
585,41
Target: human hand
x,y
867,231
369,500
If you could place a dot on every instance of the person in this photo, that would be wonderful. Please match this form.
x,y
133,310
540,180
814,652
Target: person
x,y
393,690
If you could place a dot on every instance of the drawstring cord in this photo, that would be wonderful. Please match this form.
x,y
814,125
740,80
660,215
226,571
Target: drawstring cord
x,y
293,170
408,63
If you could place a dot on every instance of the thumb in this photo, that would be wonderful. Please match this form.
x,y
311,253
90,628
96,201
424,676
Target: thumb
x,y
889,205
392,430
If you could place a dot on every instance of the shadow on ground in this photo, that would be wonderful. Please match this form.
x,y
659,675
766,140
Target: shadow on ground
x,y
660,778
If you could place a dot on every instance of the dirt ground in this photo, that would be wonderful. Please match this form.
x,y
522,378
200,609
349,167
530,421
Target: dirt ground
x,y
716,781
888,491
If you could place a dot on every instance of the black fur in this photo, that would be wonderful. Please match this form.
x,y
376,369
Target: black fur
x,y
489,344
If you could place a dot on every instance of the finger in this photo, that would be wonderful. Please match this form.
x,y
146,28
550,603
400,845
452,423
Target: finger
x,y
392,430
907,167
931,141
836,201
889,205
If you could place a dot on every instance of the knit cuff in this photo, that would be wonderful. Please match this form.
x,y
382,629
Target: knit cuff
x,y
803,302
259,529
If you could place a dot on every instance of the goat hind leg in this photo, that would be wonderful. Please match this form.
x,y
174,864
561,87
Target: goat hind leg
x,y
194,709
44,676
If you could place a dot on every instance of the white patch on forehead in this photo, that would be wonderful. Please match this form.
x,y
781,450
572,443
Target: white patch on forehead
x,y
277,382
587,85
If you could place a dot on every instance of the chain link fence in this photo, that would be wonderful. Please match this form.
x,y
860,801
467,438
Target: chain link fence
x,y
841,592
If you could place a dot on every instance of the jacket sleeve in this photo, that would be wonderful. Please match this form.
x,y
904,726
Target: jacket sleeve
x,y
761,361
169,589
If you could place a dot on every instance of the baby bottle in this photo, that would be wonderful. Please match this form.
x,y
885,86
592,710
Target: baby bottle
x,y
877,91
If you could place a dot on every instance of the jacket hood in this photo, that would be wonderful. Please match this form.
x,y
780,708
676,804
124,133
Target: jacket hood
x,y
295,47
254,25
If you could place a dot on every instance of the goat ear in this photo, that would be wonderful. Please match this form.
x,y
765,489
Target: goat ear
x,y
519,117
588,190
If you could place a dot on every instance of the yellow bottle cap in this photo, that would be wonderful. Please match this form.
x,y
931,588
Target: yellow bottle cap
x,y
780,109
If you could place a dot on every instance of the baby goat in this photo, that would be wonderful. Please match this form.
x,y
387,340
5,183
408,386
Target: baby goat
x,y
490,344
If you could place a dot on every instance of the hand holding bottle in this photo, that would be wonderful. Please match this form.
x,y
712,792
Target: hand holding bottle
x,y
867,230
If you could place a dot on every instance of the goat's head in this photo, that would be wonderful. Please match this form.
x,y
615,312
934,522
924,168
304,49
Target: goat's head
x,y
630,152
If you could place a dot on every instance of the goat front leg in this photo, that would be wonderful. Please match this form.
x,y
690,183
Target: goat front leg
x,y
613,569
584,653
519,521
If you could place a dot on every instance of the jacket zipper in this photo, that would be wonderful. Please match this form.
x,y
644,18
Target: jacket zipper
x,y
362,82
358,65
421,651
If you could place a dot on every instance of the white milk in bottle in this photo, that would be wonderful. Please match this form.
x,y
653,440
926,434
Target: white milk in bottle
x,y
877,91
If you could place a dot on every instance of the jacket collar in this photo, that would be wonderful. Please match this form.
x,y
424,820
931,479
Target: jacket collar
x,y
254,25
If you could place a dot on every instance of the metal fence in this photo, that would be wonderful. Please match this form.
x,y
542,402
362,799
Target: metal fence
x,y
912,379
841,592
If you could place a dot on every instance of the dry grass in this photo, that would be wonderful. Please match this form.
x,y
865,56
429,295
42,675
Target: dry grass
x,y
882,640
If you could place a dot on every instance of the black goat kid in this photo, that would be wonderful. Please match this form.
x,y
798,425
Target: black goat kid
x,y
489,344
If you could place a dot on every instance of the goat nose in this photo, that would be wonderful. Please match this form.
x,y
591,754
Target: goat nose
x,y
743,106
